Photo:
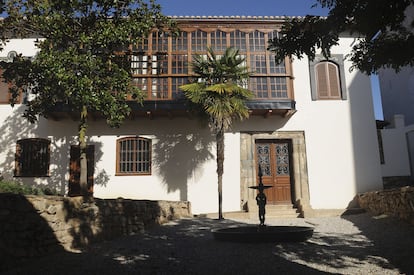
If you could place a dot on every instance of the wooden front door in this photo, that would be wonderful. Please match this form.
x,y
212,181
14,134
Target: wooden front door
x,y
274,157
74,169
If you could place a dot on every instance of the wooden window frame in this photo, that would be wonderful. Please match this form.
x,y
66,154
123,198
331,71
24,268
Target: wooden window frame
x,y
134,154
179,64
36,161
193,40
218,40
238,39
5,92
335,60
198,41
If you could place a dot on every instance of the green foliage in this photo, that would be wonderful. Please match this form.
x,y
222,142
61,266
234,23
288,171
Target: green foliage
x,y
219,94
17,188
217,88
84,53
83,63
386,38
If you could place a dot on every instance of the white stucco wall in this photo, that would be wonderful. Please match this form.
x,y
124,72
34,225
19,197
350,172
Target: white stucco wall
x,y
340,136
395,147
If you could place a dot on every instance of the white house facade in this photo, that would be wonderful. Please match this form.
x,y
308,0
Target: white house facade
x,y
312,129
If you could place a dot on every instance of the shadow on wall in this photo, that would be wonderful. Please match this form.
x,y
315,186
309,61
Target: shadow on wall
x,y
15,127
179,156
364,136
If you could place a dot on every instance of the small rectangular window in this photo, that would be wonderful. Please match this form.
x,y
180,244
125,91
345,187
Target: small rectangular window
x,y
133,156
32,157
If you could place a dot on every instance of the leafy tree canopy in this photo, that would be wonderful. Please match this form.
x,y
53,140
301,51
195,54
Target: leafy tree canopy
x,y
83,57
386,36
218,87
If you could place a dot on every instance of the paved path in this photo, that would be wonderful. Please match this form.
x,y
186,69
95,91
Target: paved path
x,y
355,244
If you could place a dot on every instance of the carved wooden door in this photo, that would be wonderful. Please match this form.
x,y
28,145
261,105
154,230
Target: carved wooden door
x,y
274,157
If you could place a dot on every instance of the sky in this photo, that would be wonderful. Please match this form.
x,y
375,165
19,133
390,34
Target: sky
x,y
258,8
240,7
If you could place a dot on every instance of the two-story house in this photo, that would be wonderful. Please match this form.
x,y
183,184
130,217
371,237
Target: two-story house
x,y
311,127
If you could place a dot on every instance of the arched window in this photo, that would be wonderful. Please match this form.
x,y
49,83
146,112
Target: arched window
x,y
133,156
327,78
32,157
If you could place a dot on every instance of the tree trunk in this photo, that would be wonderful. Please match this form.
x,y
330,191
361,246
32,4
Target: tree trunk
x,y
83,181
220,169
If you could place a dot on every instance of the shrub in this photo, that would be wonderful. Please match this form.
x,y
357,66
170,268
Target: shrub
x,y
18,188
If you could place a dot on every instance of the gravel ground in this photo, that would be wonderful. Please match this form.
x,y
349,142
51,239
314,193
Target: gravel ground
x,y
354,244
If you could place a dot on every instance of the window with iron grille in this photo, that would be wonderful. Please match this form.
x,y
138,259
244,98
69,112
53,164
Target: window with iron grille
x,y
133,156
32,157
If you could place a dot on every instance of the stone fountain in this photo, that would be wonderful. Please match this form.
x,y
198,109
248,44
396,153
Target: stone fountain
x,y
262,232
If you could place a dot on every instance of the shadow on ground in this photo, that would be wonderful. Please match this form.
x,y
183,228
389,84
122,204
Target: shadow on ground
x,y
181,247
187,247
355,244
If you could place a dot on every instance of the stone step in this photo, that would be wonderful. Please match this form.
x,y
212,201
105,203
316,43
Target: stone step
x,y
276,211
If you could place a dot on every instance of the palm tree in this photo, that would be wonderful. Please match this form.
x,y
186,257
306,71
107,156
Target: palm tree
x,y
218,91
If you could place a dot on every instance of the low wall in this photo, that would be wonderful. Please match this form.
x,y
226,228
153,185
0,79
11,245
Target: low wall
x,y
398,202
37,225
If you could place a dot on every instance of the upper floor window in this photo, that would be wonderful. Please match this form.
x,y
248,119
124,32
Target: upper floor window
x,y
133,156
218,41
198,41
141,46
5,95
179,43
179,64
238,40
327,78
139,64
32,157
257,41
159,41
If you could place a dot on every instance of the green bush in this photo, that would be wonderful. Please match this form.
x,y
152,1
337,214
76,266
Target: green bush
x,y
18,188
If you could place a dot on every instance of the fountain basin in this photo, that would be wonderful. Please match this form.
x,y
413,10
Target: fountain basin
x,y
263,233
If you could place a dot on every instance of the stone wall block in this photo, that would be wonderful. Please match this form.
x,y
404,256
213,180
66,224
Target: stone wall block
x,y
37,225
397,202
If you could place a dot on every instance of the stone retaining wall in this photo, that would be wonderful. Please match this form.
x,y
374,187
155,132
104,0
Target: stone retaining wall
x,y
398,202
37,225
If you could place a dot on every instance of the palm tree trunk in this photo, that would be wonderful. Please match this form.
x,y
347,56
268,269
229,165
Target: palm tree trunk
x,y
83,179
220,169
